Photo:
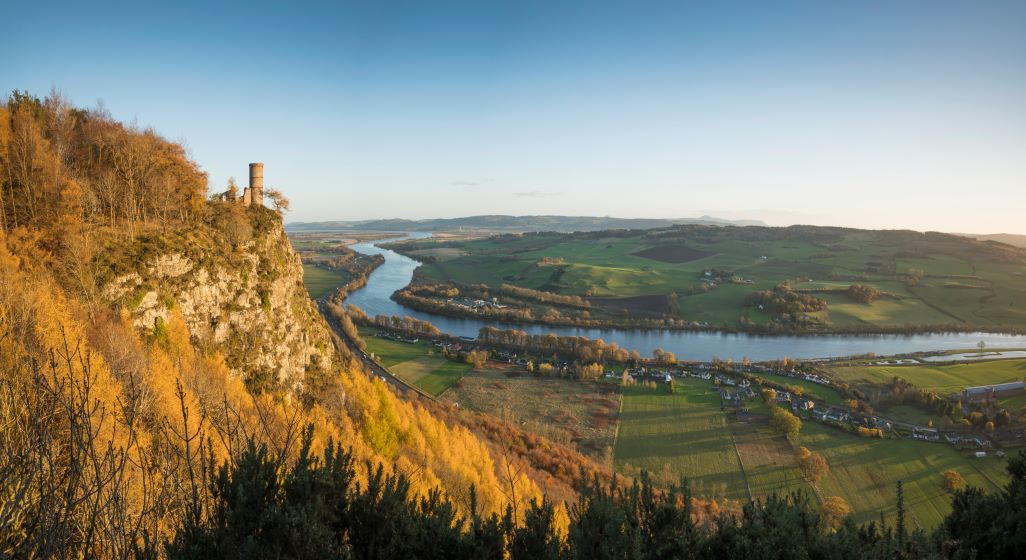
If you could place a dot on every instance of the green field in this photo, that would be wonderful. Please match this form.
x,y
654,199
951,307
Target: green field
x,y
957,280
686,434
864,472
944,379
319,281
412,363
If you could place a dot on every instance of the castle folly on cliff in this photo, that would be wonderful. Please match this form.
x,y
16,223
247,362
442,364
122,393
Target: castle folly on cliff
x,y
253,195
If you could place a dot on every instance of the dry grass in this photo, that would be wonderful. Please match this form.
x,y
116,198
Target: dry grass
x,y
580,414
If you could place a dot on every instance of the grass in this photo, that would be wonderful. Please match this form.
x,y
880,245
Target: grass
x,y
686,434
412,363
864,472
319,281
1013,404
944,379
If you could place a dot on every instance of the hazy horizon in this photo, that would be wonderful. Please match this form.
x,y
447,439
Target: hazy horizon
x,y
906,115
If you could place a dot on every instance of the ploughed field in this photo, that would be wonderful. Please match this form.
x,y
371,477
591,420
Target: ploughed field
x,y
921,279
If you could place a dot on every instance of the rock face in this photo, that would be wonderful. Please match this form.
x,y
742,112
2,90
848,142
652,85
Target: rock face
x,y
250,303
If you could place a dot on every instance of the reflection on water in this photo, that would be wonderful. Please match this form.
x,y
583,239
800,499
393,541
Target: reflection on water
x,y
397,271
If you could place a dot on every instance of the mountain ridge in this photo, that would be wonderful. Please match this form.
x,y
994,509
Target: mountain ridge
x,y
504,222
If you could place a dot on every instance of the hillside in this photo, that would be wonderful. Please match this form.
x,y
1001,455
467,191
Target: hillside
x,y
511,223
1006,238
794,279
148,334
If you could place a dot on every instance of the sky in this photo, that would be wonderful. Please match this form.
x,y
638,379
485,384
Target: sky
x,y
878,114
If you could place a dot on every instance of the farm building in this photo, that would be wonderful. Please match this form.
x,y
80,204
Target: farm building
x,y
985,392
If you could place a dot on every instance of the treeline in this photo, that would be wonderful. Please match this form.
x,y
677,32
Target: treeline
x,y
783,300
60,164
900,391
406,325
579,347
315,507
543,297
788,306
863,293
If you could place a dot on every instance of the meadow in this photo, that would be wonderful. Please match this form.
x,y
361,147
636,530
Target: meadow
x,y
686,434
864,472
945,379
925,279
418,364
319,280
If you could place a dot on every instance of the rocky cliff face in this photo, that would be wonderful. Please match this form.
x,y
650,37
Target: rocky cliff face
x,y
246,300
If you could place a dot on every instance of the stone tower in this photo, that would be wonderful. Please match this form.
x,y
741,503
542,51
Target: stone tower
x,y
256,184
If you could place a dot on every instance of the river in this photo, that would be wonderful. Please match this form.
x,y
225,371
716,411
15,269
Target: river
x,y
396,272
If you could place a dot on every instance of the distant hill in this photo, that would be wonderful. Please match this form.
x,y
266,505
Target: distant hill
x,y
1009,238
513,223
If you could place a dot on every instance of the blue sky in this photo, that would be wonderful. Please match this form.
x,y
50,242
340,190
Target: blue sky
x,y
892,114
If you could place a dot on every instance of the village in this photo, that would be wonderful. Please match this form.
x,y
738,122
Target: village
x,y
740,384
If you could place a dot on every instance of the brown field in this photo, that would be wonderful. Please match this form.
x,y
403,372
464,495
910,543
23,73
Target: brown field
x,y
653,305
581,414
674,254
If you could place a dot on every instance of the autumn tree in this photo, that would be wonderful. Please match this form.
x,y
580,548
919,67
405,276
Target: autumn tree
x,y
281,204
769,396
952,480
813,465
785,422
833,511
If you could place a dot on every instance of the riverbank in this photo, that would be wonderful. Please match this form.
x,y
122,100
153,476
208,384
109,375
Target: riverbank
x,y
492,312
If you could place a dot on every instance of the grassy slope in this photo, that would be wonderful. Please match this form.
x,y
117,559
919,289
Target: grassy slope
x,y
943,379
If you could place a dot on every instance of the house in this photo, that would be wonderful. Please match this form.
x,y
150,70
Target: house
x,y
806,404
783,396
819,414
925,434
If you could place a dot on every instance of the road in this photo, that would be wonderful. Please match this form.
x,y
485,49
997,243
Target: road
x,y
372,366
